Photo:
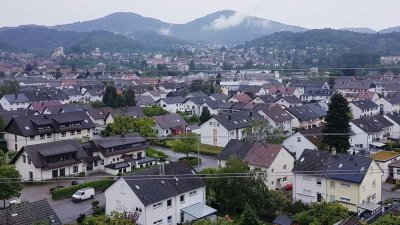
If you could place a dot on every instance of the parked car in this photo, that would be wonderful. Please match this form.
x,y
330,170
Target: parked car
x,y
83,194
55,188
76,182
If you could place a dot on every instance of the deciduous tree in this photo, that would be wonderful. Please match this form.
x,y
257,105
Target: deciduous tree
x,y
10,184
185,144
325,213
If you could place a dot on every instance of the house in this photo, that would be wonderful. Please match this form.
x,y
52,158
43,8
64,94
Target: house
x,y
289,101
394,170
385,106
73,94
324,176
50,160
101,116
38,129
13,102
303,84
363,108
7,116
194,104
244,98
253,89
304,139
219,96
219,129
172,104
384,158
195,94
145,101
317,94
161,201
270,158
371,132
281,91
277,117
370,95
117,154
349,85
39,212
395,103
45,107
93,95
394,118
170,124
305,117
266,99
155,94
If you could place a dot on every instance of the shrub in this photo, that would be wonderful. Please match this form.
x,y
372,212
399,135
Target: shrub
x,y
67,192
81,174
81,218
190,161
153,153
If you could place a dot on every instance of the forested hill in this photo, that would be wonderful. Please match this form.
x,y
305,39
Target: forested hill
x,y
328,47
44,40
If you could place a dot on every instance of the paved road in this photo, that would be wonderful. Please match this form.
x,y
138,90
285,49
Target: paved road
x,y
206,161
388,193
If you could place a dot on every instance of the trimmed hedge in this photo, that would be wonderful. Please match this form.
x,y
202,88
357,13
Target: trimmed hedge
x,y
153,153
67,192
191,161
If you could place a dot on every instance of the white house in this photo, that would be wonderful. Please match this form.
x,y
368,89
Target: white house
x,y
170,124
14,101
278,118
172,104
155,94
38,129
219,129
363,108
93,95
270,158
161,201
384,106
394,118
302,140
384,158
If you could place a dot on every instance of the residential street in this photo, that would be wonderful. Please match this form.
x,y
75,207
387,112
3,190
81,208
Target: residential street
x,y
206,161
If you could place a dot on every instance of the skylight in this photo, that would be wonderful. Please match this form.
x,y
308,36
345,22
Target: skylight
x,y
340,165
27,128
137,187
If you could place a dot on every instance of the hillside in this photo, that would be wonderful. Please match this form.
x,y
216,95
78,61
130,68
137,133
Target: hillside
x,y
44,40
223,26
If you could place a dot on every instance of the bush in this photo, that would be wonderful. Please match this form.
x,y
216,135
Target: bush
x,y
190,161
81,174
81,218
153,153
98,185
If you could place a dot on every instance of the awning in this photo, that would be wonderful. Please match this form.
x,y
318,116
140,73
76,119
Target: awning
x,y
199,210
377,144
370,206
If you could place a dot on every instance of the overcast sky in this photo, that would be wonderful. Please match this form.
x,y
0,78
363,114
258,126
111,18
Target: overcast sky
x,y
376,14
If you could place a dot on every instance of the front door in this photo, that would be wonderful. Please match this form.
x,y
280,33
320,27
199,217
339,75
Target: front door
x,y
54,173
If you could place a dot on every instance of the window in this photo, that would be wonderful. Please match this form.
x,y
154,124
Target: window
x,y
332,184
284,179
319,182
332,198
398,171
42,136
32,138
158,205
48,135
344,185
298,139
24,158
138,209
373,183
284,167
169,203
123,189
29,160
118,205
192,193
373,197
63,134
182,198
88,131
305,191
79,131
210,123
345,199
169,219
75,169
157,222
72,133
214,124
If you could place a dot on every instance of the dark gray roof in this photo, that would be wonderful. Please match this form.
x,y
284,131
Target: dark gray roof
x,y
114,141
395,117
118,165
199,99
307,83
249,88
394,101
74,108
37,153
237,148
267,98
341,166
170,121
303,113
29,125
29,213
150,191
99,113
36,96
72,92
220,96
318,92
276,113
195,94
372,123
348,83
173,100
16,98
145,100
290,98
132,111
315,107
8,115
365,104
237,120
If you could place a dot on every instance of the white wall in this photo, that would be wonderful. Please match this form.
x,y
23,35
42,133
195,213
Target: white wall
x,y
11,107
305,188
297,143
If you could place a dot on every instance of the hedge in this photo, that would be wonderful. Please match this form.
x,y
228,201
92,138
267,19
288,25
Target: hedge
x,y
153,153
191,161
67,192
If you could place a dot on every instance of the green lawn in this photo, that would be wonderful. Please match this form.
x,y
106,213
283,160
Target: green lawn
x,y
204,149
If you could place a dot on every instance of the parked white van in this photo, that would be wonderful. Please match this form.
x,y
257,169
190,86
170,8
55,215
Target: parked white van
x,y
83,194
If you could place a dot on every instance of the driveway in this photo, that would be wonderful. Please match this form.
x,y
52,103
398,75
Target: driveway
x,y
388,193
206,161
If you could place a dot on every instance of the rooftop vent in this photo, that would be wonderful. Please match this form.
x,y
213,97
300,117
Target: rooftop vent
x,y
137,187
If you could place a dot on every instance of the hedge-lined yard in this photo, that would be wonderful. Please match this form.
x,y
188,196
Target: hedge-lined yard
x,y
67,192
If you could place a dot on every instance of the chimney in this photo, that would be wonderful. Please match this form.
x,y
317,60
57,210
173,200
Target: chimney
x,y
334,151
13,210
161,169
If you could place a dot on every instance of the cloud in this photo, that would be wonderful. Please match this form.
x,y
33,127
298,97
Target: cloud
x,y
165,31
227,22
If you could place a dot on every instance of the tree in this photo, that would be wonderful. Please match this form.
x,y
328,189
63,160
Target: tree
x,y
325,213
185,144
249,217
10,185
126,124
193,119
129,97
262,131
97,104
110,96
9,87
212,222
387,219
205,114
337,122
212,89
58,73
192,65
116,218
154,111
